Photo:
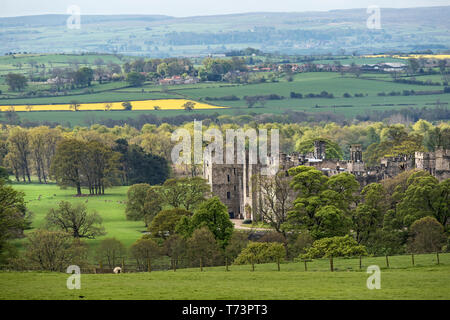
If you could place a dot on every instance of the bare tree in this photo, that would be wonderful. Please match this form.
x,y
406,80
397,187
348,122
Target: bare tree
x,y
277,199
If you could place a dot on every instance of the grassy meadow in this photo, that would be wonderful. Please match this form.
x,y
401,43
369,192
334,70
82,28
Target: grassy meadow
x,y
291,283
111,207
425,280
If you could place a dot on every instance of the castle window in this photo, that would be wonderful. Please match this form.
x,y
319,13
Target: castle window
x,y
228,177
228,195
234,171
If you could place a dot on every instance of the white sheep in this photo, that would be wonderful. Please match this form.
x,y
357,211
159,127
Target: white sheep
x,y
117,270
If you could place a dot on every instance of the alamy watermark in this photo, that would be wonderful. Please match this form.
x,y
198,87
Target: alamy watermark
x,y
374,281
189,152
74,20
374,20
74,281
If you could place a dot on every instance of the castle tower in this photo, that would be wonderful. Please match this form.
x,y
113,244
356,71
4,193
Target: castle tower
x,y
356,165
319,149
356,153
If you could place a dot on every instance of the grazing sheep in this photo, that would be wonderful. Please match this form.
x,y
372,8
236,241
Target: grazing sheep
x,y
117,270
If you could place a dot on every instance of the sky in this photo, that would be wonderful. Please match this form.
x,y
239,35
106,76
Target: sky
x,y
185,8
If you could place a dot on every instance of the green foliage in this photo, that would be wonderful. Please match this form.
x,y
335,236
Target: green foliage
x,y
136,208
139,166
135,79
203,248
145,250
127,106
386,241
83,76
367,217
426,236
395,141
334,247
332,151
186,193
164,223
111,251
213,215
78,163
323,204
261,252
4,174
237,243
301,244
16,81
425,196
13,219
75,220
330,221
175,246
64,250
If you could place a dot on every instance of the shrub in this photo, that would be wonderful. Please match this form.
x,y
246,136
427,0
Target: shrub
x,y
334,247
112,251
64,250
145,250
296,95
303,242
426,236
261,252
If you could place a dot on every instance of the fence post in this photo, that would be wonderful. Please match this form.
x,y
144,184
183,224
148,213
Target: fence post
x,y
387,261
226,264
174,266
201,265
437,255
149,265
278,262
306,268
412,259
253,265
123,265
331,264
360,262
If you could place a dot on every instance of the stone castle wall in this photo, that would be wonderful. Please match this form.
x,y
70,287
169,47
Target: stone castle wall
x,y
235,186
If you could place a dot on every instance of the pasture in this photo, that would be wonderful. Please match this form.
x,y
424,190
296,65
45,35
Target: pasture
x,y
291,283
425,280
93,99
111,207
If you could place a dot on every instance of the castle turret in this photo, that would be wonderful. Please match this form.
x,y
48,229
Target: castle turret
x,y
356,153
319,149
356,165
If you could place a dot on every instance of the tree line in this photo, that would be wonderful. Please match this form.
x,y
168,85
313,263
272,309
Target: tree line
x,y
84,159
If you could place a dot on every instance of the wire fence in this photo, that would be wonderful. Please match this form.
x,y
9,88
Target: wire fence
x,y
324,264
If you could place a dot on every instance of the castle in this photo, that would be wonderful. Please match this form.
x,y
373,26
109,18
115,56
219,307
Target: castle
x,y
234,185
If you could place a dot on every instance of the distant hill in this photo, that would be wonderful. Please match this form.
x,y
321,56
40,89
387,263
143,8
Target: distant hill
x,y
409,29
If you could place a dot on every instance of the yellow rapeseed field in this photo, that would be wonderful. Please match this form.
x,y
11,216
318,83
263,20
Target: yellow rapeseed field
x,y
410,56
163,104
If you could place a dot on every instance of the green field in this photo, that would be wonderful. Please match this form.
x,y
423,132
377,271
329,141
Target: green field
x,y
110,206
303,83
425,280
369,84
292,283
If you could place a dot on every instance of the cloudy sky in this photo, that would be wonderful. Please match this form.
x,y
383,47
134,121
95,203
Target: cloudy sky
x,y
183,8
